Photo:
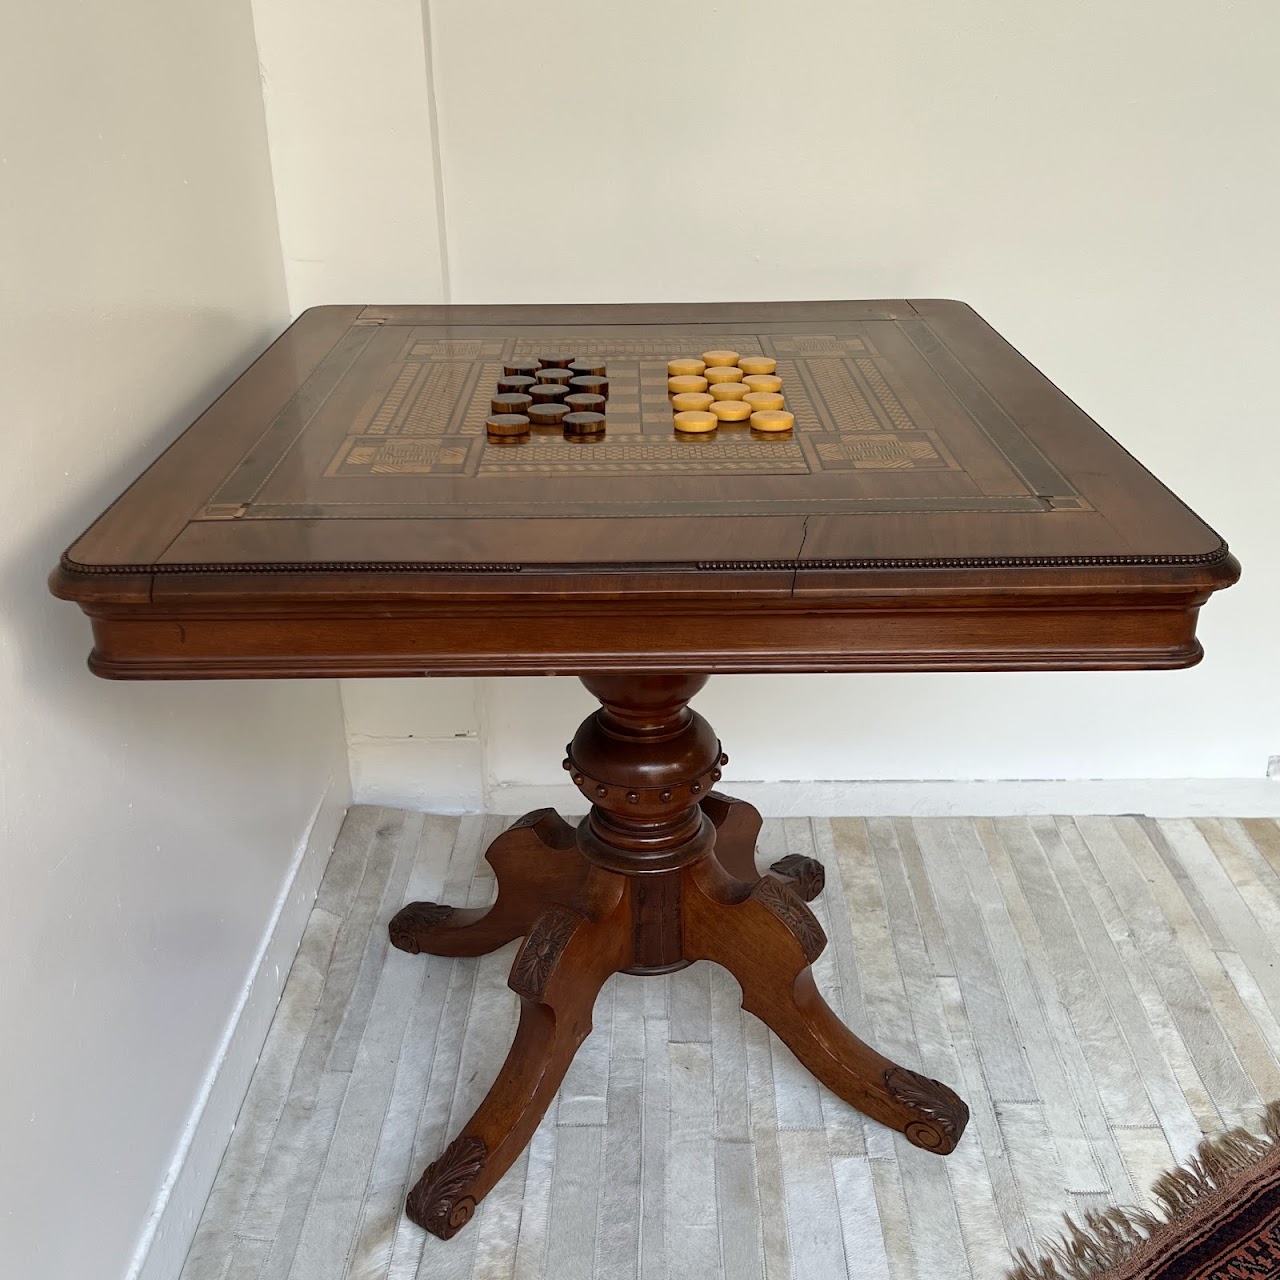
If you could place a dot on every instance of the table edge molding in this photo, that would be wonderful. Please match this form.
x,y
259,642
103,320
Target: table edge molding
x,y
1218,555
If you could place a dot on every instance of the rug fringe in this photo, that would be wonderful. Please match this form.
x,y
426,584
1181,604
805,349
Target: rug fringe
x,y
1107,1238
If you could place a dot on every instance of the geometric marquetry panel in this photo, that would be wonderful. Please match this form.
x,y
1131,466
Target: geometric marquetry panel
x,y
844,403
395,420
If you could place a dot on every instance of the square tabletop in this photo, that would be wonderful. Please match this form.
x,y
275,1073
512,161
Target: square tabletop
x,y
938,504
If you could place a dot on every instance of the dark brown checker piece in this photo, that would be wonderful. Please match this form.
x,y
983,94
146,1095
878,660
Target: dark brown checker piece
x,y
521,368
554,362
590,384
583,424
507,424
343,510
516,382
549,415
548,392
583,368
561,376
579,402
510,402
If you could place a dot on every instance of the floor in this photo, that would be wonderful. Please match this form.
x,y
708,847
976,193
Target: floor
x,y
1102,991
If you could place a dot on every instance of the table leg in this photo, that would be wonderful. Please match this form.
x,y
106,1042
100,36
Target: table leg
x,y
557,974
737,825
768,940
535,862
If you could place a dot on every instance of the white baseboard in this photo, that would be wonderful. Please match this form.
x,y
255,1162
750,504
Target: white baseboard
x,y
172,1223
432,775
1158,797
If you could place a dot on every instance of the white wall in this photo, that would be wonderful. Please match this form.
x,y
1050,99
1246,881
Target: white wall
x,y
351,120
1095,178
147,831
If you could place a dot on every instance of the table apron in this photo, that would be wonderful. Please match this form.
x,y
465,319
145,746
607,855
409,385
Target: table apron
x,y
147,645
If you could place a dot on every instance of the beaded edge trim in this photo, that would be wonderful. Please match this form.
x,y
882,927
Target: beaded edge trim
x,y
717,566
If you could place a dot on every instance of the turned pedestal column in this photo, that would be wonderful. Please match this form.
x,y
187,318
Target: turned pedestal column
x,y
659,874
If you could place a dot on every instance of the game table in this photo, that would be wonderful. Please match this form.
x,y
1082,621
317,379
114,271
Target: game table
x,y
347,509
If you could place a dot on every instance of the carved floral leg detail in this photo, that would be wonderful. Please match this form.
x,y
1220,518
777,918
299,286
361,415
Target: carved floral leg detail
x,y
737,825
558,973
536,863
942,1114
439,1200
768,941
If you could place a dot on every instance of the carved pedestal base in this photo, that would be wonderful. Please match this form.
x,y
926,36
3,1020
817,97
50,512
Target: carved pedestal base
x,y
661,873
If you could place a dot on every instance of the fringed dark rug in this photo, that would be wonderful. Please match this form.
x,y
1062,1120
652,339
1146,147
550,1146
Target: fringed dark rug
x,y
1220,1221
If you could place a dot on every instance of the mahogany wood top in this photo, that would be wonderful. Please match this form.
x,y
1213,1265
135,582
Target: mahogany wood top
x,y
341,509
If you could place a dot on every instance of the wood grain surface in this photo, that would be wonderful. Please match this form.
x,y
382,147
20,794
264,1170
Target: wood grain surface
x,y
938,505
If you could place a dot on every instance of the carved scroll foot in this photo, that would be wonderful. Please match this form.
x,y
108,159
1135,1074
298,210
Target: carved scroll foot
x,y
440,1200
411,926
941,1115
737,825
536,863
768,941
807,875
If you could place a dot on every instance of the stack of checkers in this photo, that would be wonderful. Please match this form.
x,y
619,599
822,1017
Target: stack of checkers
x,y
551,391
726,387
